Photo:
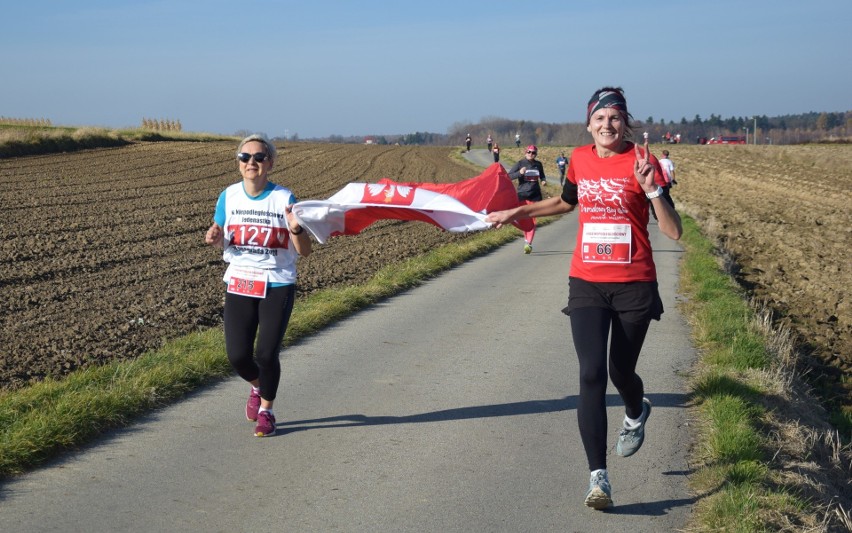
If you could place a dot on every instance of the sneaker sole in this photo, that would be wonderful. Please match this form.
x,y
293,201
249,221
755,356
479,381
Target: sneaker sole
x,y
597,499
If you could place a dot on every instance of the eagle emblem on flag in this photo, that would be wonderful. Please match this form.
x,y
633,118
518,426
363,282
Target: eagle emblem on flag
x,y
384,193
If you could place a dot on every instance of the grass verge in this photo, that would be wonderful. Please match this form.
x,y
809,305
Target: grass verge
x,y
754,430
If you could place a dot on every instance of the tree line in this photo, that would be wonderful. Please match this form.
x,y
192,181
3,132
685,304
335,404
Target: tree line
x,y
785,129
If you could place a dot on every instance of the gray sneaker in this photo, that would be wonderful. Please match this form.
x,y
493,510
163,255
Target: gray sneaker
x,y
630,440
599,495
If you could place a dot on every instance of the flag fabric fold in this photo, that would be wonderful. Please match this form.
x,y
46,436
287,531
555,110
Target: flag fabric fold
x,y
456,207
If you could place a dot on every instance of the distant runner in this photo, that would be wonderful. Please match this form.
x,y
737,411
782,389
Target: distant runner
x,y
529,172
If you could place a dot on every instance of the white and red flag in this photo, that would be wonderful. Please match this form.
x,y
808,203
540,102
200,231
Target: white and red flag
x,y
456,207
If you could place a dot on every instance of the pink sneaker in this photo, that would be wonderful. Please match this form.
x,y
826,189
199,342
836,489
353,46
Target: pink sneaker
x,y
265,424
252,405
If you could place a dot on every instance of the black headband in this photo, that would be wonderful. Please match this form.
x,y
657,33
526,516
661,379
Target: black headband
x,y
604,99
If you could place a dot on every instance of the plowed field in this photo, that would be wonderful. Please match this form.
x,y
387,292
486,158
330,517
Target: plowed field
x,y
784,214
102,254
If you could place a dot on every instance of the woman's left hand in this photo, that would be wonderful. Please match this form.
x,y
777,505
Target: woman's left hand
x,y
499,218
299,237
292,221
644,170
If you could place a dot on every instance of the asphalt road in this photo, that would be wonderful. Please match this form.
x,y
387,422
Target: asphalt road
x,y
482,157
448,408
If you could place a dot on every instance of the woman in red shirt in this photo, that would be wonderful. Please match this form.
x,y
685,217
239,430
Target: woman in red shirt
x,y
612,289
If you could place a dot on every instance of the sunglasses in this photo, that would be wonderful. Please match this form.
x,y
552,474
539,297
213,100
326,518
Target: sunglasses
x,y
259,157
531,152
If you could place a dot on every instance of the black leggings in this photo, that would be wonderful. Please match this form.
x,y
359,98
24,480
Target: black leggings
x,y
265,318
590,327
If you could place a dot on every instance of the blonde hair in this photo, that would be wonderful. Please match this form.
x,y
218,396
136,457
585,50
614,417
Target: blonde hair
x,y
257,137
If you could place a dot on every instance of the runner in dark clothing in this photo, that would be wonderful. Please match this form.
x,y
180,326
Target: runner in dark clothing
x,y
529,171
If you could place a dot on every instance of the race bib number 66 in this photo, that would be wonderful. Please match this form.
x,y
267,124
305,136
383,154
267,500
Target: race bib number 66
x,y
606,243
247,281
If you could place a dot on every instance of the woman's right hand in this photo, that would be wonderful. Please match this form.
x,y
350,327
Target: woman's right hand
x,y
644,170
215,236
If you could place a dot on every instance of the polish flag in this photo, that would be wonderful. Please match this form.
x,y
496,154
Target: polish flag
x,y
456,207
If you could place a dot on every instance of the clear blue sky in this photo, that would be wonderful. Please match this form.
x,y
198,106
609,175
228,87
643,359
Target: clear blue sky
x,y
322,67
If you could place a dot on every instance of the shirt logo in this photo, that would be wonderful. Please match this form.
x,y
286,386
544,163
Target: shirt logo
x,y
602,192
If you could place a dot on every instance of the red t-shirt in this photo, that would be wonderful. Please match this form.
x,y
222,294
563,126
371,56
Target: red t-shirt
x,y
612,241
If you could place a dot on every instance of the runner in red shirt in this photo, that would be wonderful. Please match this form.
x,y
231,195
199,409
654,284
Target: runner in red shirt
x,y
612,287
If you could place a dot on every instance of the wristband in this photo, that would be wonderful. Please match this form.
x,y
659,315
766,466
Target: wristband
x,y
655,194
301,229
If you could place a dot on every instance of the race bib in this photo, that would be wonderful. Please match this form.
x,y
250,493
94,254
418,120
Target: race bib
x,y
606,243
531,174
247,281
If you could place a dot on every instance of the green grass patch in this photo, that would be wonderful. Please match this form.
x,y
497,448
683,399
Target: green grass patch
x,y
724,321
735,509
748,508
715,383
734,438
38,421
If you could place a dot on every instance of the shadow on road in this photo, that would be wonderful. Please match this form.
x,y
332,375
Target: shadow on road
x,y
531,407
659,508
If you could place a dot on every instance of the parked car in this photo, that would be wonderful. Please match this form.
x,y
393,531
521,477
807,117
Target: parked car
x,y
727,139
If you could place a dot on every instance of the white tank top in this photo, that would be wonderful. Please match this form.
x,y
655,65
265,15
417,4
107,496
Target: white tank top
x,y
257,235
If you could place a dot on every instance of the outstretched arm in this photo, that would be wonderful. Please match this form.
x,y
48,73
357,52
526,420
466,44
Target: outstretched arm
x,y
551,206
